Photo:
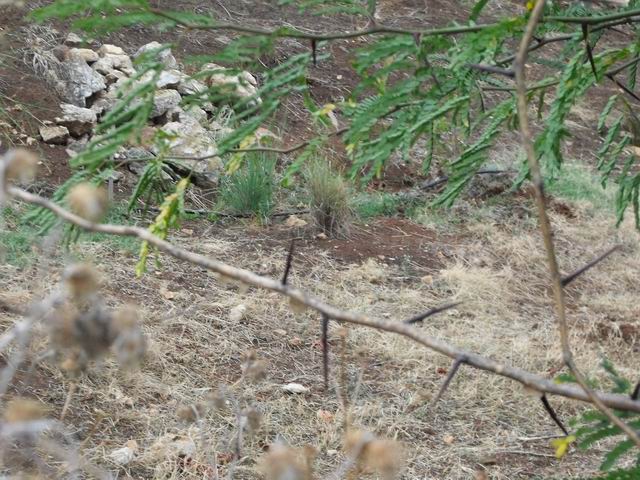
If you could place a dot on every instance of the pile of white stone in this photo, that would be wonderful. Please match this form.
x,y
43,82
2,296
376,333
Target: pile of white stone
x,y
88,80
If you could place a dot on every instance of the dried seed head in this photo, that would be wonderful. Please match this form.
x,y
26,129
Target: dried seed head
x,y
88,201
250,356
81,280
217,400
282,463
24,410
254,419
383,457
61,326
256,371
20,165
253,369
125,318
73,366
130,348
296,306
191,413
129,344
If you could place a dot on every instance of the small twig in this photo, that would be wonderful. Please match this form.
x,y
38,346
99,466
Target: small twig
x,y
623,87
452,372
572,276
67,402
440,180
325,350
492,69
287,266
537,439
552,413
524,452
636,392
587,45
429,313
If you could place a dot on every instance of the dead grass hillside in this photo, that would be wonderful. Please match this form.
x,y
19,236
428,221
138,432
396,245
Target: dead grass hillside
x,y
198,342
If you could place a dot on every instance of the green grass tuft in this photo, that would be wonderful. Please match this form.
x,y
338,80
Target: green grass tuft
x,y
329,198
578,184
250,190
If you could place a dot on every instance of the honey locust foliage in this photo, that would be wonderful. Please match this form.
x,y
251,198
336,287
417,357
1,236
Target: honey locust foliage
x,y
440,97
170,211
593,426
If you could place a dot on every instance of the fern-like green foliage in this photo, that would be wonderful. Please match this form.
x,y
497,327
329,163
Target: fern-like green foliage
x,y
170,212
417,95
593,426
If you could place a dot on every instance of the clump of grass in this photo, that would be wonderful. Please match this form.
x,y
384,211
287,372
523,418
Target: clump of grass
x,y
250,190
369,205
579,184
329,199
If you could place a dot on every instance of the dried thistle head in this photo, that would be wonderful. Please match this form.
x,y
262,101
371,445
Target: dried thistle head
x,y
254,369
88,201
297,307
81,281
24,410
20,165
18,445
81,329
384,457
283,463
217,399
129,342
191,413
254,419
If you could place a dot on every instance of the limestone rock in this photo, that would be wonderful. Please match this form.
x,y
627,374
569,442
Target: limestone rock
x,y
75,81
191,86
104,102
115,77
73,40
54,135
103,66
110,62
165,56
163,101
195,112
190,139
169,79
108,49
121,62
85,54
78,120
237,86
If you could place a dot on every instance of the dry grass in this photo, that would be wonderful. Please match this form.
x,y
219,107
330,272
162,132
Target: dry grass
x,y
196,346
329,198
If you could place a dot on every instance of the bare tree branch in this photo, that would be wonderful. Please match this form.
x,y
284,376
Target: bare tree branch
x,y
572,276
429,313
287,267
530,380
452,372
545,224
552,413
325,350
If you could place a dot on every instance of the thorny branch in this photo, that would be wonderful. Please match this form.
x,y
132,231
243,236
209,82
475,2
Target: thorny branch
x,y
527,379
376,28
452,372
545,224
